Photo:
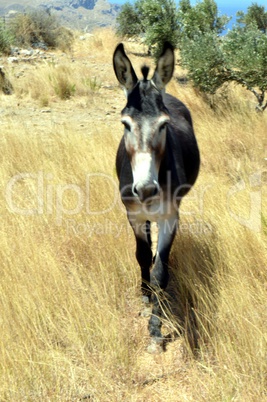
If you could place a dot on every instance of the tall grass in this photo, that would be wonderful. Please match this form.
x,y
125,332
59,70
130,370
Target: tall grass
x,y
70,301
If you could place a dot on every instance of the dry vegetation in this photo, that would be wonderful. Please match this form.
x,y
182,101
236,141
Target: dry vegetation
x,y
70,301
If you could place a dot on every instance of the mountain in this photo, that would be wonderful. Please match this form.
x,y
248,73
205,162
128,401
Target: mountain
x,y
75,14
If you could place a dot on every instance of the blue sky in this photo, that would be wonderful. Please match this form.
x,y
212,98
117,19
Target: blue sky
x,y
236,4
229,7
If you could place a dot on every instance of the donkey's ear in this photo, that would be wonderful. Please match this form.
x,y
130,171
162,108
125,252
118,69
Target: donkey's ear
x,y
165,67
123,68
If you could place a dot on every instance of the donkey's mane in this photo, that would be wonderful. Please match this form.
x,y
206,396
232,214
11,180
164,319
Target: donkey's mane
x,y
145,71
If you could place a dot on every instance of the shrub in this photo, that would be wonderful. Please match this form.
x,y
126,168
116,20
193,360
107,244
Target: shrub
x,y
5,39
239,57
40,27
64,39
205,62
62,84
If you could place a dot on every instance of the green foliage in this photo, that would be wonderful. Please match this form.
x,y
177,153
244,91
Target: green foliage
x,y
92,83
200,19
255,15
203,58
5,39
246,50
128,21
200,44
240,56
210,59
160,20
155,20
40,27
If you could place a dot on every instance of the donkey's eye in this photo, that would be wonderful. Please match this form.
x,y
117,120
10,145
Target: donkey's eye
x,y
163,126
126,125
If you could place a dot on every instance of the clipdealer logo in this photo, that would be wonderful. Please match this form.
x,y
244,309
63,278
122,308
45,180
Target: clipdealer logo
x,y
49,198
254,219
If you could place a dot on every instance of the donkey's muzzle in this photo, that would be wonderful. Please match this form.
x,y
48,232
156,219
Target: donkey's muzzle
x,y
146,192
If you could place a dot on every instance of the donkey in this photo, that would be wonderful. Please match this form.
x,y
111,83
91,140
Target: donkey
x,y
157,163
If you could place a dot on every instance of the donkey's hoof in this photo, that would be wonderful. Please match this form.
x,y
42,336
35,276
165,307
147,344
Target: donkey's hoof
x,y
156,346
145,299
146,309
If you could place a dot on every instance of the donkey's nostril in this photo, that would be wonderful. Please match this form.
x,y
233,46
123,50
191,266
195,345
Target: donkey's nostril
x,y
134,190
154,192
156,188
144,192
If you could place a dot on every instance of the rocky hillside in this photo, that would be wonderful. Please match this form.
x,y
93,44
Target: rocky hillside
x,y
76,14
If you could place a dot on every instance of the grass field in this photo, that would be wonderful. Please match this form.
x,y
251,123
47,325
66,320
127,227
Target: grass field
x,y
69,284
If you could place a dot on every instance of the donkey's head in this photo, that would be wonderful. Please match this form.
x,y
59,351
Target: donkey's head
x,y
145,118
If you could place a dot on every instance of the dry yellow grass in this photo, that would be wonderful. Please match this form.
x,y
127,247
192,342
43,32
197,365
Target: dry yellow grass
x,y
70,302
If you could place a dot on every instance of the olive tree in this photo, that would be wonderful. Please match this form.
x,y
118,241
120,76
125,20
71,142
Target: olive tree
x,y
201,18
256,15
240,57
156,21
246,53
129,21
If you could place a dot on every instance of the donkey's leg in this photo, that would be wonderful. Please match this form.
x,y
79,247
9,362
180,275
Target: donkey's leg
x,y
143,251
159,276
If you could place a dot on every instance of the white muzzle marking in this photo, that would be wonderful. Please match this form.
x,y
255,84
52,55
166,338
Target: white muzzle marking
x,y
145,175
